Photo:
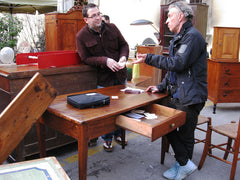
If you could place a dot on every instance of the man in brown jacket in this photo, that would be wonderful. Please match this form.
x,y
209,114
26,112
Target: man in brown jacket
x,y
102,45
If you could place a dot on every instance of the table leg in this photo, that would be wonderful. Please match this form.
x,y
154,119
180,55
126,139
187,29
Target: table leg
x,y
41,139
214,108
123,134
82,157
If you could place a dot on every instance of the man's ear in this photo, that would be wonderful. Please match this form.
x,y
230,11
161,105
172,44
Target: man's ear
x,y
180,17
85,19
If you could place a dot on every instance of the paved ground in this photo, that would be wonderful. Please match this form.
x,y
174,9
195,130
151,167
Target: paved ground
x,y
140,160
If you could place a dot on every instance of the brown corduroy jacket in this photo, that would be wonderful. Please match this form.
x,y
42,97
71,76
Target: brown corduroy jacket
x,y
94,49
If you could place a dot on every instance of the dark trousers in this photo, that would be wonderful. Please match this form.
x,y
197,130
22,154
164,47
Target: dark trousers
x,y
182,139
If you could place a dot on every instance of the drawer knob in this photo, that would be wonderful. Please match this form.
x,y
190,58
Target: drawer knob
x,y
172,125
224,95
227,72
226,83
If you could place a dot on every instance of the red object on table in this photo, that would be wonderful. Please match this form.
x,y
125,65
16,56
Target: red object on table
x,y
49,59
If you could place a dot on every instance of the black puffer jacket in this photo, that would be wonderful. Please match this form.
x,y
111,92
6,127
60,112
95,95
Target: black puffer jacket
x,y
189,61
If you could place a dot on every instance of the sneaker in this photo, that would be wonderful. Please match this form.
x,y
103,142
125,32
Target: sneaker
x,y
186,170
92,142
107,145
172,172
118,139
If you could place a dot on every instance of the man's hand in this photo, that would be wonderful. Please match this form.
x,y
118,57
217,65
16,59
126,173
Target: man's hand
x,y
140,58
122,62
113,65
152,89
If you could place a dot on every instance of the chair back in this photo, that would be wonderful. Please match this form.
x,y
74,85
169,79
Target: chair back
x,y
22,112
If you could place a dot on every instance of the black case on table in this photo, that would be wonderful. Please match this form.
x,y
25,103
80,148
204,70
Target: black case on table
x,y
88,100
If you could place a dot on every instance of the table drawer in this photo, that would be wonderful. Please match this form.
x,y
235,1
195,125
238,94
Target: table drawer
x,y
167,120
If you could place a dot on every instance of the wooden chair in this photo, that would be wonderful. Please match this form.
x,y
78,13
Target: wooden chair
x,y
23,111
148,75
232,132
201,120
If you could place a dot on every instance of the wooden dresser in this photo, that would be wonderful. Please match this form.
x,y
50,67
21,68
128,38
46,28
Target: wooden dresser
x,y
65,80
224,67
223,82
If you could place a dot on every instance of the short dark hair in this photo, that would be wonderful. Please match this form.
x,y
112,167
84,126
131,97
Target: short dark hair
x,y
106,17
86,8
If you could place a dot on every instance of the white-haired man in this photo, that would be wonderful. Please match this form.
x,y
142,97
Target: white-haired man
x,y
186,83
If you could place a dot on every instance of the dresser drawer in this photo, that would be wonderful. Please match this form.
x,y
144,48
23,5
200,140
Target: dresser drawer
x,y
167,120
230,70
231,95
230,82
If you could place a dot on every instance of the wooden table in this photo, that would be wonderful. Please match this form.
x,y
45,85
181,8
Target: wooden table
x,y
85,124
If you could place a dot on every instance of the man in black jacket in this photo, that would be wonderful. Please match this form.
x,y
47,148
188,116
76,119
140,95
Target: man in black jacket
x,y
186,83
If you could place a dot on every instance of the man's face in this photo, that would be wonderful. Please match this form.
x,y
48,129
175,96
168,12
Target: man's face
x,y
173,20
94,18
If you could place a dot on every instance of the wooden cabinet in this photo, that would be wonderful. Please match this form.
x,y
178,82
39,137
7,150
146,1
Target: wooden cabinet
x,y
224,67
199,21
61,30
226,44
223,82
64,79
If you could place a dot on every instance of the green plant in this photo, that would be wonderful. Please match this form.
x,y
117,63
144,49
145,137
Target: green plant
x,y
80,2
10,27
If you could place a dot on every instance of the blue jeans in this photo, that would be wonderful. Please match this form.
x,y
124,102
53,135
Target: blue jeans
x,y
109,136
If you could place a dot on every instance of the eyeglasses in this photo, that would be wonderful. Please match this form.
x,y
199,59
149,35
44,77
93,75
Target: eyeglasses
x,y
94,16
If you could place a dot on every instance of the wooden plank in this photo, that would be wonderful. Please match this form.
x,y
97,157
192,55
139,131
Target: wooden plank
x,y
23,111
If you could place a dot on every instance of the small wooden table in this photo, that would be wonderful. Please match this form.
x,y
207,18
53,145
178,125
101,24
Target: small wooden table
x,y
86,124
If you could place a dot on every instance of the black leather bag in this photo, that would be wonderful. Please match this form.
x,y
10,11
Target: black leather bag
x,y
88,100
